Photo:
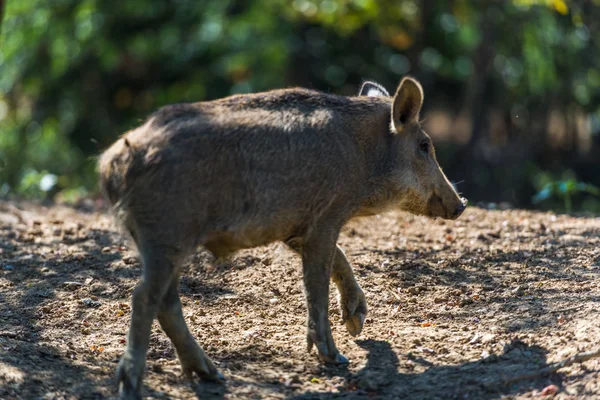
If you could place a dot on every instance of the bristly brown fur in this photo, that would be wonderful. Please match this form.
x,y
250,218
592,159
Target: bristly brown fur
x,y
288,165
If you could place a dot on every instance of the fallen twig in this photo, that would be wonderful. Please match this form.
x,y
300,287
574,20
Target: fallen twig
x,y
568,309
552,368
396,295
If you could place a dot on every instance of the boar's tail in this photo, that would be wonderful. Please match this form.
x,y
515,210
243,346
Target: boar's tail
x,y
117,167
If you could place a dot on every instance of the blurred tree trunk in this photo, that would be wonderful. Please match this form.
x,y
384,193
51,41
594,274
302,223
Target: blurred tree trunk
x,y
477,106
424,38
1,13
476,96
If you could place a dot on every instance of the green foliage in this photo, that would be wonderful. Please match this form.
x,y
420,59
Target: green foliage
x,y
77,73
36,184
565,190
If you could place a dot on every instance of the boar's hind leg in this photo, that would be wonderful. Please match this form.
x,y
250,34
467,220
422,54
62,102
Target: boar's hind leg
x,y
191,356
160,267
352,299
317,259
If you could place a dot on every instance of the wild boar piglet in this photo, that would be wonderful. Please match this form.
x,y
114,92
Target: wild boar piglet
x,y
289,165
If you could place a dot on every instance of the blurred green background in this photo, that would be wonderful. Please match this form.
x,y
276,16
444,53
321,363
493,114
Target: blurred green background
x,y
512,87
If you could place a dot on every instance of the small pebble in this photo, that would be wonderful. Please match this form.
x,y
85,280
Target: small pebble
x,y
465,301
475,339
413,290
519,290
91,303
550,390
267,260
130,260
72,285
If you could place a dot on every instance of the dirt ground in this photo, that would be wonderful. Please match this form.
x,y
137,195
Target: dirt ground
x,y
457,310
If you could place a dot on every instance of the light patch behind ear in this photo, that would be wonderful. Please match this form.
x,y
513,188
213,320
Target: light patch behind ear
x,y
407,103
372,89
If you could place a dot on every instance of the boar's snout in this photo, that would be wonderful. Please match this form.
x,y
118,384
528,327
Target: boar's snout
x,y
461,207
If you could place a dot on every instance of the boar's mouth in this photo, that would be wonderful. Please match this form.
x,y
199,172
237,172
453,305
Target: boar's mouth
x,y
436,208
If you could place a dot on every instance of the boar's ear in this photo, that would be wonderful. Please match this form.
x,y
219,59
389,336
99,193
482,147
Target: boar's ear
x,y
373,89
407,103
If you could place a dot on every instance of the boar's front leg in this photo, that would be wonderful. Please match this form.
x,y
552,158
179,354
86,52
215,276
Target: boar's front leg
x,y
353,303
318,253
352,299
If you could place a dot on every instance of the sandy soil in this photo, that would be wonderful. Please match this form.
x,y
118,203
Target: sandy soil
x,y
457,310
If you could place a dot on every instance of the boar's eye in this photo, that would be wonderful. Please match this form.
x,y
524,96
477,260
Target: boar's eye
x,y
424,147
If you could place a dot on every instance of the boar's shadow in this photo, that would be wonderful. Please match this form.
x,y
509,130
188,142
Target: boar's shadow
x,y
487,378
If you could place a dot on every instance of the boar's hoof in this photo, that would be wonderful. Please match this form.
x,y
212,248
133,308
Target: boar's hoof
x,y
354,324
338,359
215,376
201,366
330,356
354,309
129,380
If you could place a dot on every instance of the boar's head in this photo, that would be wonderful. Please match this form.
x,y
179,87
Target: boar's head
x,y
420,186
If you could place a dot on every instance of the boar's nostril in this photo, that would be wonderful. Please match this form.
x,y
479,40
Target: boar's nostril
x,y
459,210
